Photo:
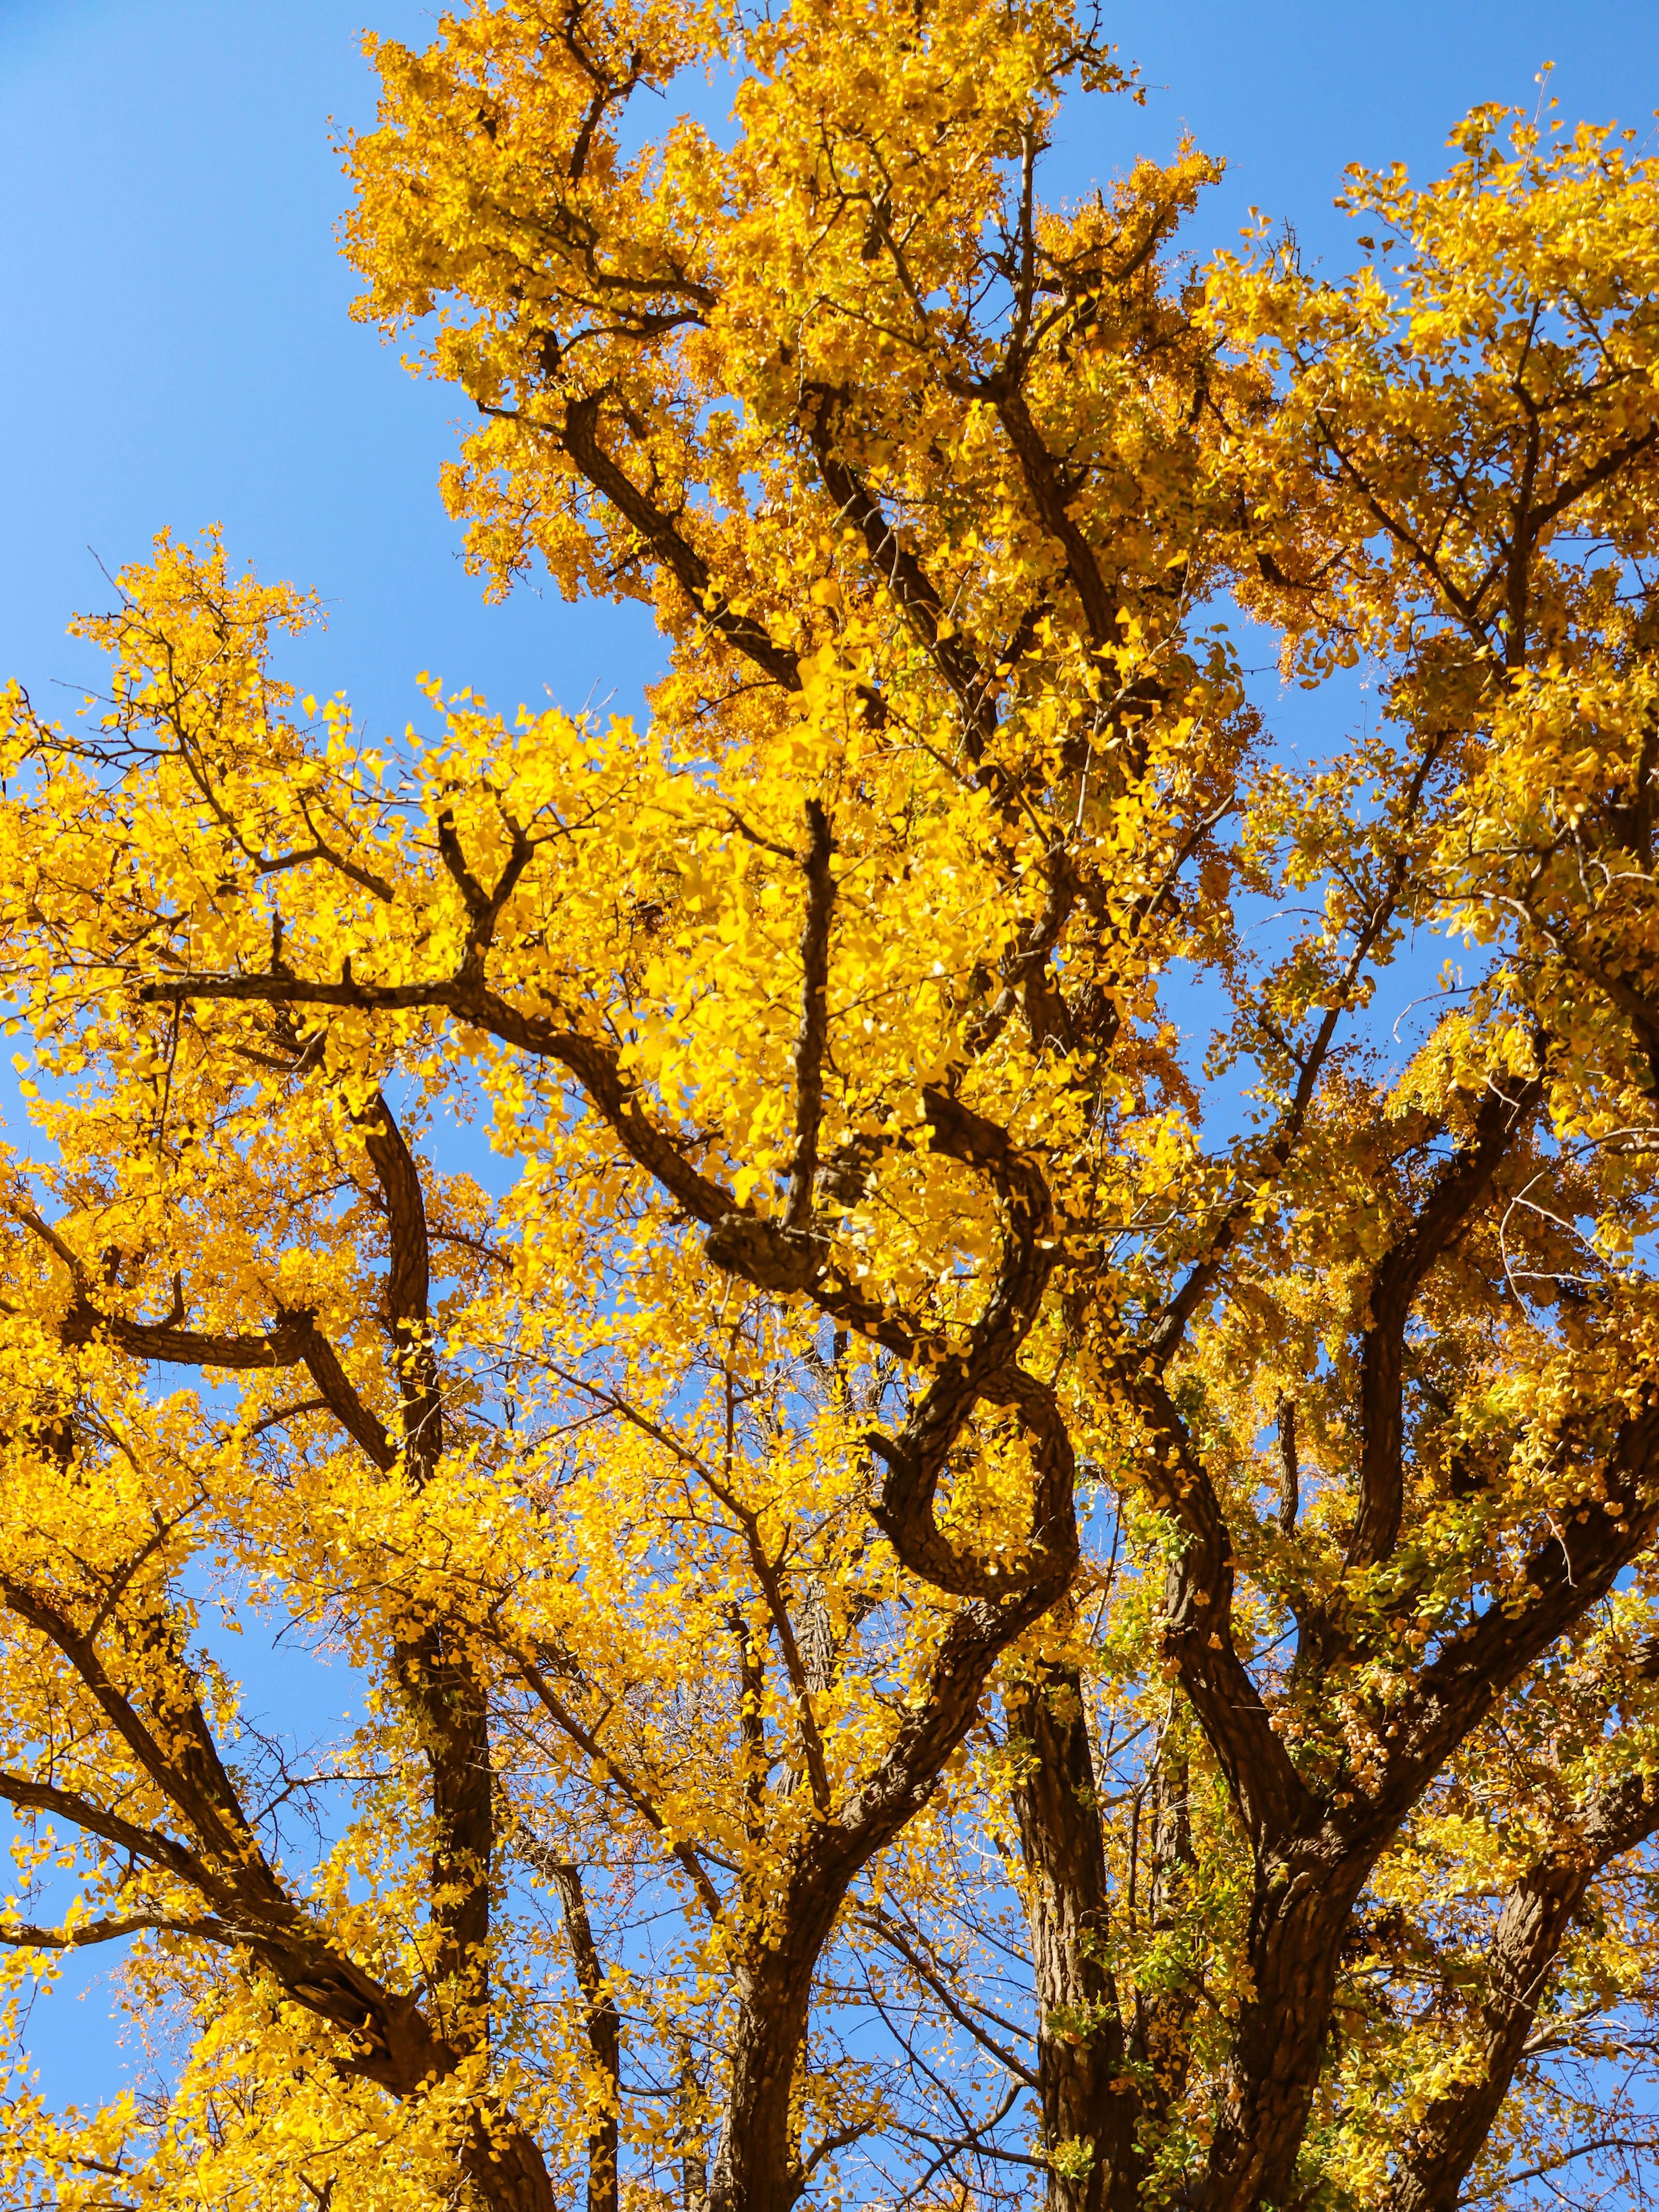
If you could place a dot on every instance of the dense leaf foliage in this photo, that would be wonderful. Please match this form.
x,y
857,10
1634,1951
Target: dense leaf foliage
x,y
1004,1548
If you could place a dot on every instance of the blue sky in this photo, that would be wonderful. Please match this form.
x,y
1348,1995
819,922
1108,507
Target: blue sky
x,y
174,345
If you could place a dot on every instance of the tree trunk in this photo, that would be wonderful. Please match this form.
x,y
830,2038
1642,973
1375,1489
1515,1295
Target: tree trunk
x,y
506,2166
453,1712
1088,2110
758,2164
1297,1920
1450,2138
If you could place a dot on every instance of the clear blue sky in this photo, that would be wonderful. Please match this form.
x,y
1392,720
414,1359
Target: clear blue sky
x,y
174,347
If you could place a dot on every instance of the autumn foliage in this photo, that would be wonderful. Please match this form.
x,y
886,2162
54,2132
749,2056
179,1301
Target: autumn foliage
x,y
1004,1550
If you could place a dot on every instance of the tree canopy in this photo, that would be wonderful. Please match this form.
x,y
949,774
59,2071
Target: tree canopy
x,y
1010,1555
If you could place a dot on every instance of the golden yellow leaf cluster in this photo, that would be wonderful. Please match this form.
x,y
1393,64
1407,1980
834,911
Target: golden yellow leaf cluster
x,y
934,1626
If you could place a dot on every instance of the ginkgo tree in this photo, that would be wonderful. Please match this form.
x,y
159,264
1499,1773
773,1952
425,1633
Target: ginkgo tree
x,y
937,1623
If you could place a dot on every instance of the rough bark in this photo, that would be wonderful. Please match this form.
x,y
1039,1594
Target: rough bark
x,y
1308,1875
1088,2110
1299,1912
506,2166
757,2166
434,1671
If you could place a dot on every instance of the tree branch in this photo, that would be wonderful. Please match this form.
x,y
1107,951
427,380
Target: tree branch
x,y
1461,1189
604,2022
813,1037
1537,1912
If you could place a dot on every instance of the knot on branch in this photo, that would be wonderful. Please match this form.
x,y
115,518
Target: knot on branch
x,y
770,1257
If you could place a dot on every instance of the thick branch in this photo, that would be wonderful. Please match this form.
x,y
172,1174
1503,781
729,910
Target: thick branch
x,y
294,1340
186,1769
1536,1918
1290,1469
1462,1190
23,1935
775,1259
1050,497
907,582
916,1459
1272,1799
1086,2096
408,1287
1573,1567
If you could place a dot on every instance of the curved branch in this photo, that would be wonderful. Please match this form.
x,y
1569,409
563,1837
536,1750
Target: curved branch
x,y
408,1287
